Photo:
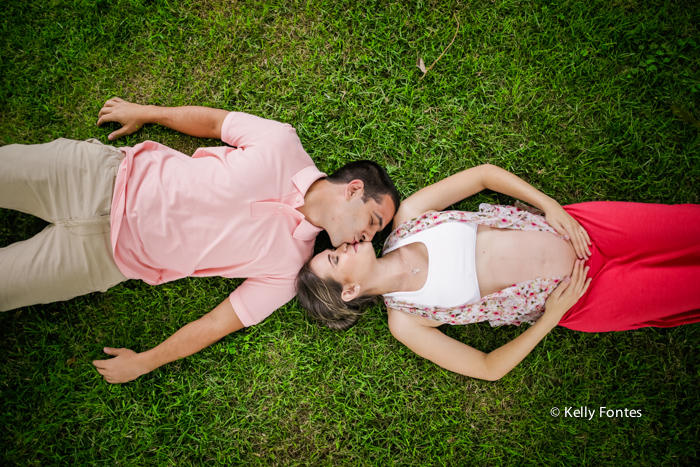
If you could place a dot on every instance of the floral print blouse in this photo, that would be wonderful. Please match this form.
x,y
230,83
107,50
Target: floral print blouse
x,y
519,303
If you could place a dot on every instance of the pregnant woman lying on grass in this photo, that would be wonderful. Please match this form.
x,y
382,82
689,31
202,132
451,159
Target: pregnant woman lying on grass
x,y
597,266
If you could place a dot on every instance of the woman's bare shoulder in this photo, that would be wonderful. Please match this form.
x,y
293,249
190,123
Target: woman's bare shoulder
x,y
400,319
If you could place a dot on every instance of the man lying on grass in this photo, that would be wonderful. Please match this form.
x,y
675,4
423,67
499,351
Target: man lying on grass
x,y
149,212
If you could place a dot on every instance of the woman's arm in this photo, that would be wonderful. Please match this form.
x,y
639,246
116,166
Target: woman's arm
x,y
427,341
471,181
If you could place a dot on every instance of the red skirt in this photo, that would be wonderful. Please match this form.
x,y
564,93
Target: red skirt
x,y
645,266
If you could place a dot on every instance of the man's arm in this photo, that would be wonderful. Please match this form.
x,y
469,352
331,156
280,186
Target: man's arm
x,y
203,122
128,365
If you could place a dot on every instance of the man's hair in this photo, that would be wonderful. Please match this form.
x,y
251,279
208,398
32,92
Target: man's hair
x,y
321,298
377,182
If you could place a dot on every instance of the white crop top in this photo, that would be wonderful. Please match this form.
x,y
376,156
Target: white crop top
x,y
451,277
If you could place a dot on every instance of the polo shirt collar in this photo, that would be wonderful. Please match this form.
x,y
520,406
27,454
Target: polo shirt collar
x,y
306,231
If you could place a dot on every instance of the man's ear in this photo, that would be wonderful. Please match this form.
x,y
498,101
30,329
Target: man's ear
x,y
355,188
350,292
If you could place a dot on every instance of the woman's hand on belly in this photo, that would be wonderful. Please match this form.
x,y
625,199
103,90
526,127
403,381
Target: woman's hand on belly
x,y
570,229
567,293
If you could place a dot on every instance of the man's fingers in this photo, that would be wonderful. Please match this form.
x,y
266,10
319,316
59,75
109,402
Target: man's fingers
x,y
113,101
102,119
119,133
106,109
107,106
113,351
105,374
102,370
107,368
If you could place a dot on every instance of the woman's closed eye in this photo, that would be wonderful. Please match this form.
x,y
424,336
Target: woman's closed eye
x,y
333,260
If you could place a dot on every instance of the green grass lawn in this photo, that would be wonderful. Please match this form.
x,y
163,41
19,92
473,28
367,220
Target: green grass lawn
x,y
576,97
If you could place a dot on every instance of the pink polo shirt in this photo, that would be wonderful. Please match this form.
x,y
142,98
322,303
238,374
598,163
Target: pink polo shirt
x,y
225,211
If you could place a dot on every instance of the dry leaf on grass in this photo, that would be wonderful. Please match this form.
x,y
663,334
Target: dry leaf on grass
x,y
421,65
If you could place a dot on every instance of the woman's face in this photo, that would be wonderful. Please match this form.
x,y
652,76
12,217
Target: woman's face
x,y
349,263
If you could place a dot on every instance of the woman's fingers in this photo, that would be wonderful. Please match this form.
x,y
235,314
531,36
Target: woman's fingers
x,y
569,291
585,287
560,289
576,273
579,279
584,234
570,229
563,285
561,230
578,240
585,240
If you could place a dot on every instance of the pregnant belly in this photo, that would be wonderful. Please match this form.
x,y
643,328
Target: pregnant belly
x,y
505,257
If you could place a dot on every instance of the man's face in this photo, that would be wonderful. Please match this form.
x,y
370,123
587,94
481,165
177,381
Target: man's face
x,y
355,221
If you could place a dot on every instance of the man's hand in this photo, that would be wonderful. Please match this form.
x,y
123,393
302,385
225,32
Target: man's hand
x,y
128,365
203,122
130,116
570,229
124,367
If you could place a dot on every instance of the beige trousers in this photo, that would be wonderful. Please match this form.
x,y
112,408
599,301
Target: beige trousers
x,y
69,184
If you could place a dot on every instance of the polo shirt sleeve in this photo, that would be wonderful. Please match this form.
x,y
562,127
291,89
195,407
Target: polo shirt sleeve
x,y
243,130
257,297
